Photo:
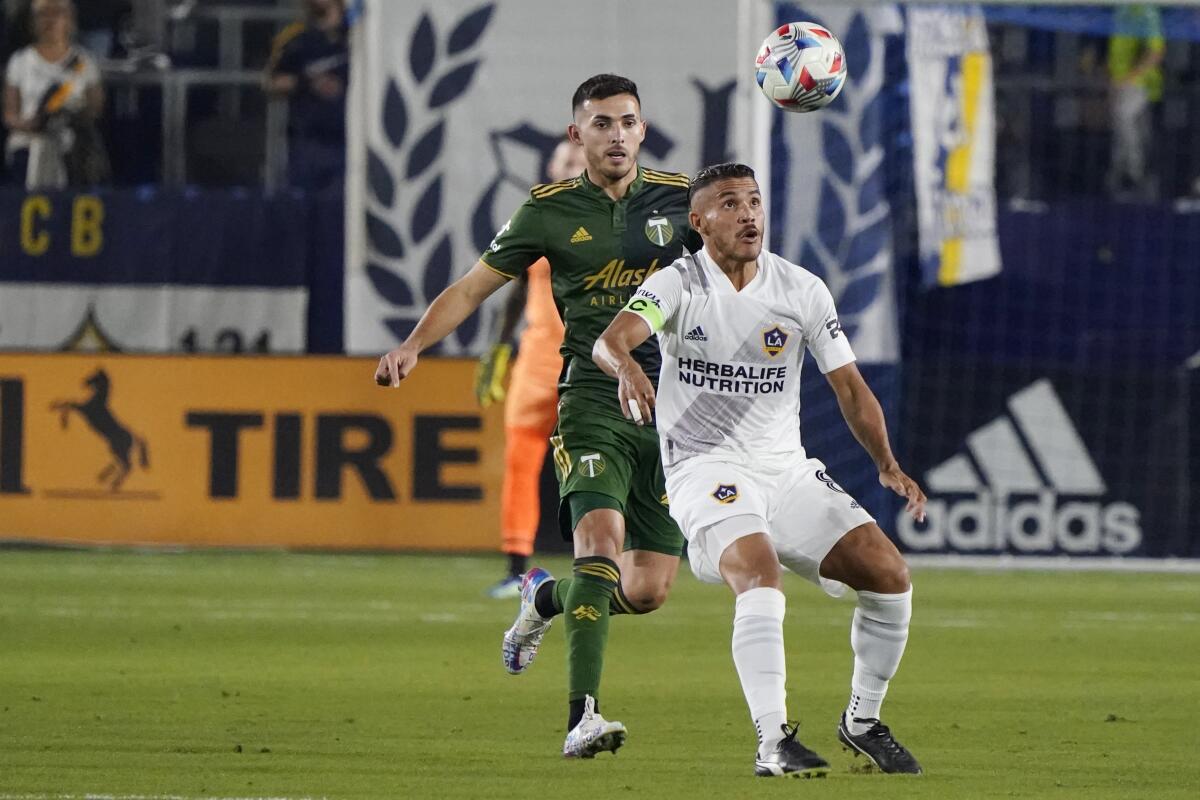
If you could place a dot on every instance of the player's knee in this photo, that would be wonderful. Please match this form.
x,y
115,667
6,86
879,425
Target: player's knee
x,y
648,601
599,534
751,563
647,596
890,576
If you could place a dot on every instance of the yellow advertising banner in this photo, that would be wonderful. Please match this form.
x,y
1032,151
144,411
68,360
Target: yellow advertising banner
x,y
303,452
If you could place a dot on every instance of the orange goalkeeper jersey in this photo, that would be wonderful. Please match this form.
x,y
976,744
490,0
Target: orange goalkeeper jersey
x,y
533,389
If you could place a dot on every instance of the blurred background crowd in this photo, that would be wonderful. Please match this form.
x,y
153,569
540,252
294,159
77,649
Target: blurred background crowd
x,y
218,93
128,92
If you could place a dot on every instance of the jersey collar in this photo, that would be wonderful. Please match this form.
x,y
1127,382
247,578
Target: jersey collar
x,y
633,189
721,281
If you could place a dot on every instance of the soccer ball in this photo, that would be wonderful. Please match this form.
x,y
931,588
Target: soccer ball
x,y
801,67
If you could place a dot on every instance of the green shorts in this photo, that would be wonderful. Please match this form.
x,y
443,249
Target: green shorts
x,y
598,451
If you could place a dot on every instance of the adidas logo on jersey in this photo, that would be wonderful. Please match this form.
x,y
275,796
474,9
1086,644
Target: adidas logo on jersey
x,y
1040,490
696,334
581,235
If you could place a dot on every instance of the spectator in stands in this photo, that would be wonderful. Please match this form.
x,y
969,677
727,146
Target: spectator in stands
x,y
99,21
310,64
52,97
1135,52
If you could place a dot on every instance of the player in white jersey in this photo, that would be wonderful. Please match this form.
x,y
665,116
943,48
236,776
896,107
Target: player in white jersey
x,y
733,321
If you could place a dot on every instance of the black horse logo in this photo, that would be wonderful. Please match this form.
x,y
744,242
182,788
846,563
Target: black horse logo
x,y
99,417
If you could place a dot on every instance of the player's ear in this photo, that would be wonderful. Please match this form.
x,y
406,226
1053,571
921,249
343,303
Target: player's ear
x,y
696,221
573,135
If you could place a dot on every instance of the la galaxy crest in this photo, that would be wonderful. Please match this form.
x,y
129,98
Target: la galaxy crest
x,y
659,230
774,340
725,493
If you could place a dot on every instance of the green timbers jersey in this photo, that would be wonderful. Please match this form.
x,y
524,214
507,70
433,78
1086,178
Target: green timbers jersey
x,y
600,251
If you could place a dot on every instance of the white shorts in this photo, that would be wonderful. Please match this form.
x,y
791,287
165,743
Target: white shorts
x,y
793,501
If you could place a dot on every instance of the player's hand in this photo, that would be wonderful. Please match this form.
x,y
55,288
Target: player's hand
x,y
490,373
895,479
636,394
326,86
395,366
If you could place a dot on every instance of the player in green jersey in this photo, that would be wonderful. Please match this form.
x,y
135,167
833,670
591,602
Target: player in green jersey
x,y
603,232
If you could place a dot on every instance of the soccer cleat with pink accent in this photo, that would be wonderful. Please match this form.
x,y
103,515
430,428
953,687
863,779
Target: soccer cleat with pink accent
x,y
522,640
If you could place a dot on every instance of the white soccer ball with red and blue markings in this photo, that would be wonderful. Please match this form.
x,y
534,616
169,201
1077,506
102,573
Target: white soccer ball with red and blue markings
x,y
801,66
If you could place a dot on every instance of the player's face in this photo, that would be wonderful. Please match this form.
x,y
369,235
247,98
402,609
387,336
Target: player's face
x,y
566,163
52,20
611,132
728,214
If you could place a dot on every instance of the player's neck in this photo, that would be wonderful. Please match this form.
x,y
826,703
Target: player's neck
x,y
615,188
739,273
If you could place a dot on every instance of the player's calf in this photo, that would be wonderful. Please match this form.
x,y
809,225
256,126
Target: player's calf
x,y
646,580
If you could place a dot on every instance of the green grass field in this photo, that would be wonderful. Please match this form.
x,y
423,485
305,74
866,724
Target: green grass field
x,y
272,675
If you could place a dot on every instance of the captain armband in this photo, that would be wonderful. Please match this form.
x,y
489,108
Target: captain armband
x,y
646,306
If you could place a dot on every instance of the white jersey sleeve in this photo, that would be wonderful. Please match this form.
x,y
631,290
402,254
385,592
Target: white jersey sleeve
x,y
823,333
658,299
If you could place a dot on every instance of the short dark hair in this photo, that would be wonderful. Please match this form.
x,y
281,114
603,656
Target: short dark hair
x,y
601,86
717,172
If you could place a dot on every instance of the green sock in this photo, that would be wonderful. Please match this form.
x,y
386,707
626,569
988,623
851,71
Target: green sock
x,y
585,613
619,604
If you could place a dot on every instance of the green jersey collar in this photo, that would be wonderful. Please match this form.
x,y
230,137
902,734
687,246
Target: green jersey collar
x,y
633,189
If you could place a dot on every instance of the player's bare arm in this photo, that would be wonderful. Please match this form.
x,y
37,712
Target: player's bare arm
x,y
612,353
444,314
864,415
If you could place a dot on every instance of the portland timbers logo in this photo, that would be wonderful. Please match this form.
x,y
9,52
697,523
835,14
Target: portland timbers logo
x,y
725,493
774,340
591,465
659,230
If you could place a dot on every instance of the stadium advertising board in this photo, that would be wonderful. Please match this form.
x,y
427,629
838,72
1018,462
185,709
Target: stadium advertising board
x,y
1031,467
461,104
151,271
245,452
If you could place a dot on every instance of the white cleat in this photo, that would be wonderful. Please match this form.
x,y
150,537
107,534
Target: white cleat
x,y
522,640
594,734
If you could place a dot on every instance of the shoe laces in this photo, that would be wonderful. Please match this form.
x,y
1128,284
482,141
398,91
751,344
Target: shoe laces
x,y
883,734
789,737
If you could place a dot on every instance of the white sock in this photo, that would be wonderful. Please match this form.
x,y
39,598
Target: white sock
x,y
877,636
758,656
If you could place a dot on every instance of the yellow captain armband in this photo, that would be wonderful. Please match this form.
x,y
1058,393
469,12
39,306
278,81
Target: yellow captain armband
x,y
648,310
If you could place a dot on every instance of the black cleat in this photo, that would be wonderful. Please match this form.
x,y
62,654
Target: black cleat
x,y
880,747
790,759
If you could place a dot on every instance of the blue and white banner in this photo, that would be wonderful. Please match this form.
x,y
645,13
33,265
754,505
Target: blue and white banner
x,y
833,215
456,106
148,271
954,143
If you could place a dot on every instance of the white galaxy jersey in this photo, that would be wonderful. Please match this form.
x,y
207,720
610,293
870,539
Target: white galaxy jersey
x,y
730,379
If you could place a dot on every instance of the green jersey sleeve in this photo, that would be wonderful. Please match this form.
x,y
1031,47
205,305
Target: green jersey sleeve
x,y
518,244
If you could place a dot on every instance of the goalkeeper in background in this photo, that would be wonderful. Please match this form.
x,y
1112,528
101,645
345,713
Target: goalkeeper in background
x,y
531,404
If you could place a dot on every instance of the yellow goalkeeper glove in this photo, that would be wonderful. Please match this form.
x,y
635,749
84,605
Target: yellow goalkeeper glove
x,y
490,373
